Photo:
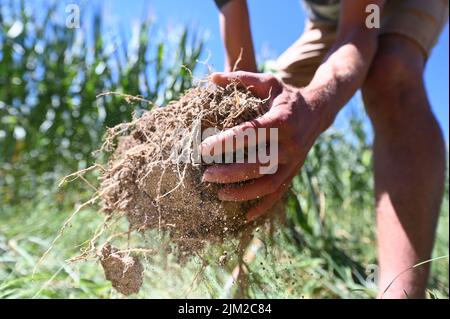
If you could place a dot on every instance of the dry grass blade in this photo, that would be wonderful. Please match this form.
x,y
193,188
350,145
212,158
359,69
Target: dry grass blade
x,y
408,269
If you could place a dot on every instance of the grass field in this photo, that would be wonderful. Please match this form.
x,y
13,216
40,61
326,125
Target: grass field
x,y
51,121
326,256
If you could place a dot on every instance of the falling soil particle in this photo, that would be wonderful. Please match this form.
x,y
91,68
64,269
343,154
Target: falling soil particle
x,y
123,270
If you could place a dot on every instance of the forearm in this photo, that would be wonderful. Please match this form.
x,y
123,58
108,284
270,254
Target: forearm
x,y
237,37
341,74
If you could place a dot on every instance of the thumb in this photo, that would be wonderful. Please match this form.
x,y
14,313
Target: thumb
x,y
262,85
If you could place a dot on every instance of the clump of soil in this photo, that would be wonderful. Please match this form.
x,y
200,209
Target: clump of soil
x,y
154,178
125,272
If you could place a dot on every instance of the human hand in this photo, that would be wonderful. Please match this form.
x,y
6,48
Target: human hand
x,y
299,124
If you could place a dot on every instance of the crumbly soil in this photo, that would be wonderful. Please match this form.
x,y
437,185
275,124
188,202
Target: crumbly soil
x,y
125,272
147,180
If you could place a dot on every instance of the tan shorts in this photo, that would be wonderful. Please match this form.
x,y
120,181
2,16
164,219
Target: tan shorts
x,y
419,20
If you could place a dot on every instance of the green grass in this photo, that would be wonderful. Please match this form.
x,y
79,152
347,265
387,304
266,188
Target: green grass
x,y
323,251
50,76
300,260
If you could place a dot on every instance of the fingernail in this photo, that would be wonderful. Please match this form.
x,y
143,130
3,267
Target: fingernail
x,y
209,174
215,74
206,177
223,194
204,148
250,217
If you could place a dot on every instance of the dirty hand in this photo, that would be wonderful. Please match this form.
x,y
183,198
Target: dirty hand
x,y
299,123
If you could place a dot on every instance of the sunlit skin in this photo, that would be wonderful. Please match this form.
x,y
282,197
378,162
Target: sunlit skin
x,y
409,151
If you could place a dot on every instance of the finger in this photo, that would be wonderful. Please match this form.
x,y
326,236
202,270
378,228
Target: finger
x,y
245,135
267,202
256,189
232,173
262,85
283,154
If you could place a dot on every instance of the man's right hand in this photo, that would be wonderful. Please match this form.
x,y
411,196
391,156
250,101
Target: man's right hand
x,y
299,123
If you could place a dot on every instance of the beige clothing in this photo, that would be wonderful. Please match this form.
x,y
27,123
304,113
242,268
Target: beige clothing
x,y
419,20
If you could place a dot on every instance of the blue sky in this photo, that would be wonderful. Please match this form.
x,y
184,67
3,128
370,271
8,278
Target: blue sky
x,y
275,24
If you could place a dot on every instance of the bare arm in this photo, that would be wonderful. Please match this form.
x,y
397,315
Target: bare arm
x,y
344,69
300,115
406,217
237,36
